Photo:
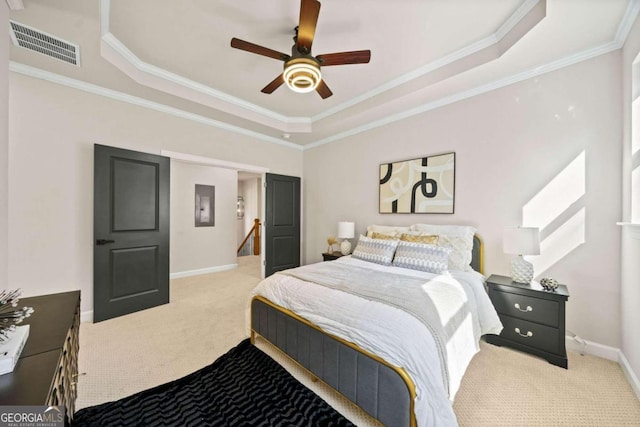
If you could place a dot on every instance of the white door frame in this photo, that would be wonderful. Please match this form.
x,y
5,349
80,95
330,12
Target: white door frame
x,y
240,167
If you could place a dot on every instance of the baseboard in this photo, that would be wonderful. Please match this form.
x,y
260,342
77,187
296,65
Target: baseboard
x,y
606,352
593,348
202,271
86,316
631,376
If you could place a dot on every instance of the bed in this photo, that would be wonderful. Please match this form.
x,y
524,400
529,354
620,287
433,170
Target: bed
x,y
360,325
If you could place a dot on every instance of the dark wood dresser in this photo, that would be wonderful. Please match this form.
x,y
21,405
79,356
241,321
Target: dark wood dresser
x,y
533,319
47,370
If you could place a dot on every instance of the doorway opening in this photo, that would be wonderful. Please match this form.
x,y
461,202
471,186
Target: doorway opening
x,y
250,217
243,171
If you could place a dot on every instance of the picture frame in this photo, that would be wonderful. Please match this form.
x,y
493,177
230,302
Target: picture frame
x,y
421,185
205,205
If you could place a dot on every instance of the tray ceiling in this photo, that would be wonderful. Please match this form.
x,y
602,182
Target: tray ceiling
x,y
424,53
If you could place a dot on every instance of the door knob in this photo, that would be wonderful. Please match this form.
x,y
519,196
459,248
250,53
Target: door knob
x,y
104,241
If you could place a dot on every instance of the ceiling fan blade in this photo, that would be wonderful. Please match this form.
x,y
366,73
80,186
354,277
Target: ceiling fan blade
x,y
309,11
257,49
342,58
323,90
275,84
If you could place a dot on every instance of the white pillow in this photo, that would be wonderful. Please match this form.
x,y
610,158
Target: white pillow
x,y
457,237
375,250
389,230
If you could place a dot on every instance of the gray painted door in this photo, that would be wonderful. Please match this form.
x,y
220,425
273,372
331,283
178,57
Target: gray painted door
x,y
131,231
282,223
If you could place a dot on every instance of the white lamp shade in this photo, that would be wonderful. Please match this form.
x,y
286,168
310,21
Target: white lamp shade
x,y
346,230
521,240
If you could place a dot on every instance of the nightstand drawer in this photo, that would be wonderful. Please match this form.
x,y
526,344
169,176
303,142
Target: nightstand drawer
x,y
531,334
526,308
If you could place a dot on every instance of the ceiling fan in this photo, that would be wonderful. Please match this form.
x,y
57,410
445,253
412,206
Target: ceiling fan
x,y
301,69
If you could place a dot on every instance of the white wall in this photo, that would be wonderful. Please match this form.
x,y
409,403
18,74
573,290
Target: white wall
x,y
52,130
4,147
252,205
522,152
630,284
240,222
198,248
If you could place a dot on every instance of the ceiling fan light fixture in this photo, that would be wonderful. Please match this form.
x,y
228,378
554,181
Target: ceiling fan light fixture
x,y
302,75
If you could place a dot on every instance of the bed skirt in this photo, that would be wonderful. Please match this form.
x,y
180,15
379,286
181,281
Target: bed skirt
x,y
382,390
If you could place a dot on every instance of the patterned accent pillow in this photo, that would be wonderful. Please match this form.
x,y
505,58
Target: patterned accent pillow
x,y
376,235
389,230
375,250
420,238
422,256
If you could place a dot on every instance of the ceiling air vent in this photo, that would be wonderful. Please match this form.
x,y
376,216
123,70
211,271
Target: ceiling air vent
x,y
46,44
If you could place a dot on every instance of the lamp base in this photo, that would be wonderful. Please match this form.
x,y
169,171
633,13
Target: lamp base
x,y
521,270
345,247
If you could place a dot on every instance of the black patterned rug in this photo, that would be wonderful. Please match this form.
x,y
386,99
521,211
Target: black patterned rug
x,y
244,387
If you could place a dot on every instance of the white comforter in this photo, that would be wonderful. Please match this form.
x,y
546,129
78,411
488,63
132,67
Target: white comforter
x,y
397,336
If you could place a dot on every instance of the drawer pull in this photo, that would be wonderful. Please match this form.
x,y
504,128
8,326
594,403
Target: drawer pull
x,y
529,334
529,308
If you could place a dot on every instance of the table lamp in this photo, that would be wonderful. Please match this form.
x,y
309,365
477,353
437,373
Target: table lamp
x,y
521,241
346,230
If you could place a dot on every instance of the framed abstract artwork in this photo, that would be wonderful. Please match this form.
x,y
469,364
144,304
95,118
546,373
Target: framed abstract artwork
x,y
423,185
205,205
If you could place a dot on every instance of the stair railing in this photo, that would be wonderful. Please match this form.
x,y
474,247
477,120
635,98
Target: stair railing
x,y
251,243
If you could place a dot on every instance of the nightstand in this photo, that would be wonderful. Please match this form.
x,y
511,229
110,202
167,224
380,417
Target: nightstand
x,y
331,256
533,319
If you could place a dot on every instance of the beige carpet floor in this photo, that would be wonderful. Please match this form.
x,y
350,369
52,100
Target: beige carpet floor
x,y
207,316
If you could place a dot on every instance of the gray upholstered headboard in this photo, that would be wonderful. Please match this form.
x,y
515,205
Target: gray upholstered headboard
x,y
477,254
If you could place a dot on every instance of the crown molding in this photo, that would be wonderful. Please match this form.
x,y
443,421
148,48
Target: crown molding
x,y
516,17
407,77
479,90
114,51
105,14
160,79
503,31
141,102
110,40
629,17
15,4
631,13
